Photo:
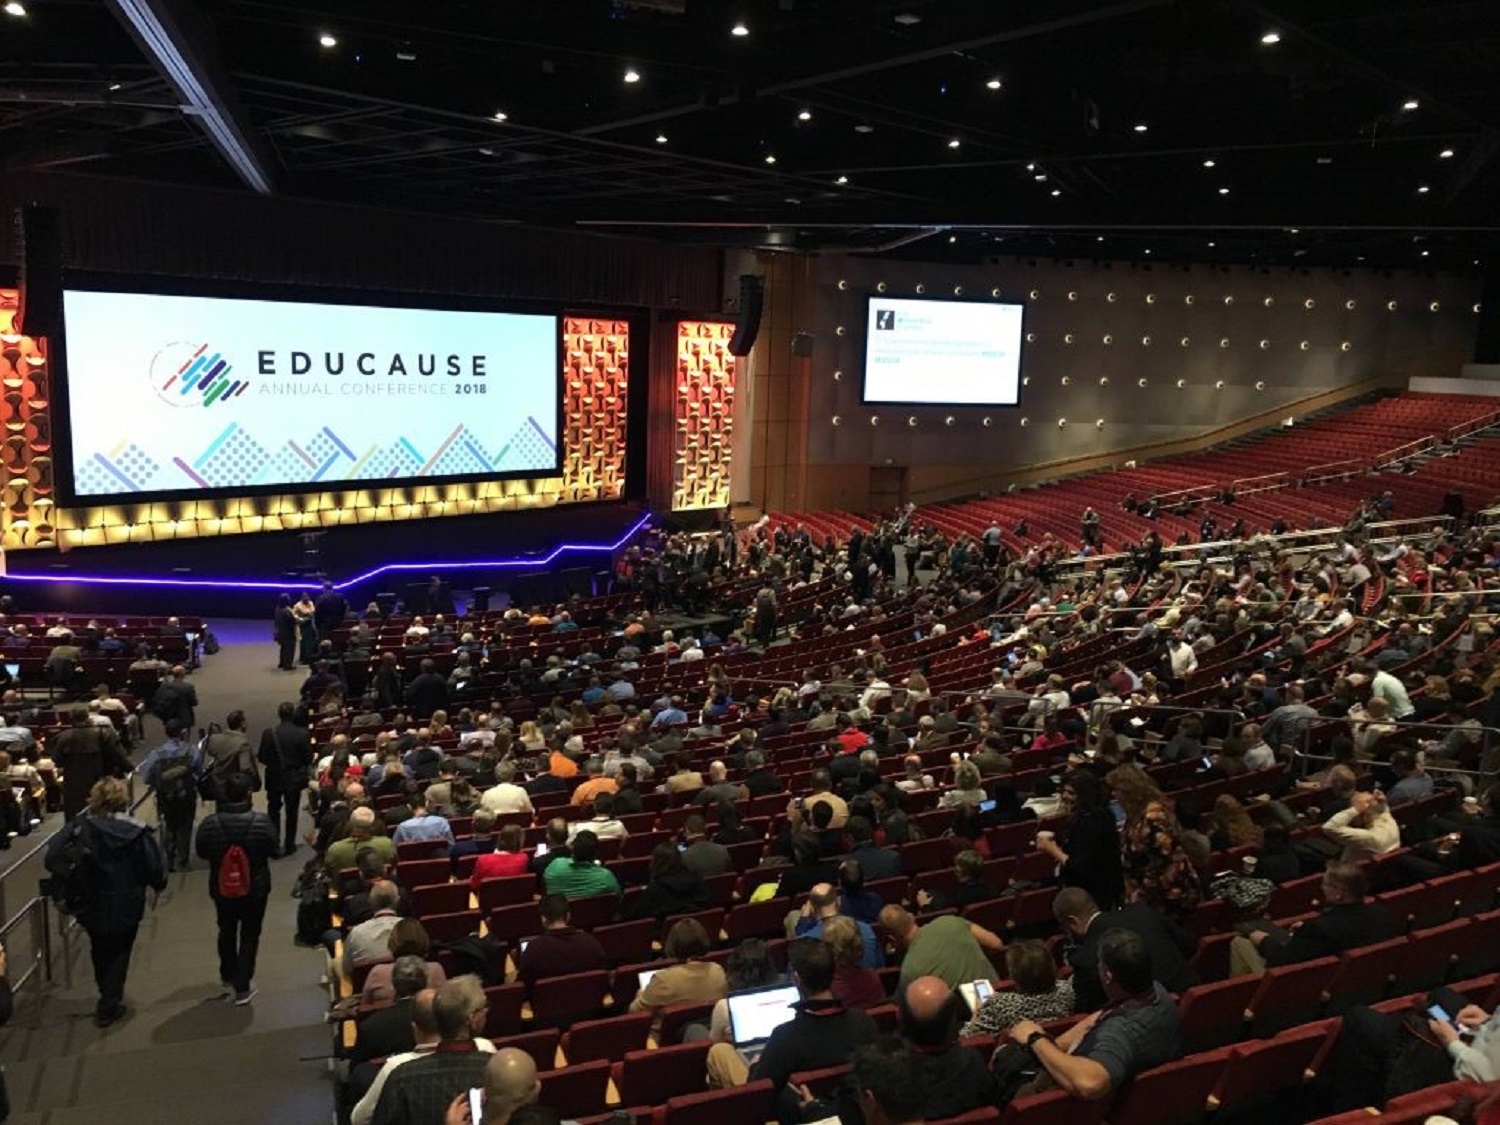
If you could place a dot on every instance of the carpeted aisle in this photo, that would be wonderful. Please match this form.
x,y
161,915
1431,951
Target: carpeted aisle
x,y
182,1055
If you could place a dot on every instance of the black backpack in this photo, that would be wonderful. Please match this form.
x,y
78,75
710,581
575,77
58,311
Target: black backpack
x,y
176,787
74,869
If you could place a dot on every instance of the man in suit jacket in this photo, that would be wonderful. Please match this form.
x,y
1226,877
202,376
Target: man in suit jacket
x,y
388,1030
1347,921
1169,944
286,753
876,862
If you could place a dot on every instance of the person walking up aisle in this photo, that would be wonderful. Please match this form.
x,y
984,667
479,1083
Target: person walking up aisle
x,y
101,865
286,753
172,770
226,754
238,844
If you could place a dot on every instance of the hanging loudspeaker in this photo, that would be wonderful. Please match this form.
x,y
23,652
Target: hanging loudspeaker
x,y
747,323
40,308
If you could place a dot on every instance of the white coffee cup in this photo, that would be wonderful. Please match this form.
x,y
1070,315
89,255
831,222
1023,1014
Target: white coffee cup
x,y
1250,864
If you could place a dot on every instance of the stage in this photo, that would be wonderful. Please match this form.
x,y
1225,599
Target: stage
x,y
241,575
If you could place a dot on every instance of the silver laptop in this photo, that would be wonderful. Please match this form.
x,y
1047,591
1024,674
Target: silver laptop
x,y
754,1015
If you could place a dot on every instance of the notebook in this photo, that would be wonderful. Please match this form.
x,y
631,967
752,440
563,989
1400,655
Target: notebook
x,y
754,1015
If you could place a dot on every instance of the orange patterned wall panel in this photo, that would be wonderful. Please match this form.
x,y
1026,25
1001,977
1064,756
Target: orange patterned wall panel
x,y
704,415
596,358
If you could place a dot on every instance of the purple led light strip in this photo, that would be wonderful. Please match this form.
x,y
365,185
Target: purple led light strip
x,y
251,584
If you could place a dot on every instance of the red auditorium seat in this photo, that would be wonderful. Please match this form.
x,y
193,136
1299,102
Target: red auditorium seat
x,y
652,1077
452,927
1481,953
557,1000
824,1082
1289,995
676,1017
422,872
606,1039
596,910
1431,956
711,920
1049,1108
439,898
1479,897
574,1090
508,890
1175,1093
756,919
512,923
985,1115
1211,959
504,1015
627,941
541,1045
750,1104
1213,1015
1269,1068
422,849
1411,1109
1364,975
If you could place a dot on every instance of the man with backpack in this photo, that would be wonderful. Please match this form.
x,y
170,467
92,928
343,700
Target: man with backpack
x,y
85,753
228,753
286,751
238,844
172,771
175,698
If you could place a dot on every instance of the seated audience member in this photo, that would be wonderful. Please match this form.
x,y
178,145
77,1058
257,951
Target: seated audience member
x,y
821,905
1413,782
1168,944
603,824
1381,1055
700,855
671,888
482,841
748,968
957,1078
759,781
1276,861
511,1088
1140,1028
690,977
627,790
422,825
949,948
388,1030
596,784
421,1040
913,779
968,869
1470,842
1366,829
876,862
505,796
968,789
1345,921
580,874
1037,993
820,792
682,778
368,942
340,854
854,984
506,860
719,789
557,847
887,1083
731,829
560,949
372,868
854,900
822,1033
419,1092
408,938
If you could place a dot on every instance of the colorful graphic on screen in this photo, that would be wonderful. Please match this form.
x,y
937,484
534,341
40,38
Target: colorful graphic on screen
x,y
171,393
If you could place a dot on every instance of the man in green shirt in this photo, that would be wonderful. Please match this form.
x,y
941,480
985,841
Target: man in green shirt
x,y
949,948
582,874
341,854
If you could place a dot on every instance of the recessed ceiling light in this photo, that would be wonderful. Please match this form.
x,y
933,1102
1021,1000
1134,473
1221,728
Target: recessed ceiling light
x,y
955,143
661,138
1211,245
1271,38
1040,177
770,158
1223,191
1425,253
501,115
1056,191
15,8
632,76
863,128
993,84
953,238
842,180
1141,126
739,30
907,19
1148,250
324,40
405,54
115,87
486,152
1423,189
1410,104
1210,163
1446,154
1325,160
805,115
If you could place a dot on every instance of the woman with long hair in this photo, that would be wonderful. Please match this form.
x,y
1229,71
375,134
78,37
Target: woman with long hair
x,y
1086,848
1158,869
1232,826
671,889
748,968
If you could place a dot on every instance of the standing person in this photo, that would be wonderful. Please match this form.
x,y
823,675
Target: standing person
x,y
307,633
227,753
116,857
85,753
329,611
238,844
172,770
286,753
285,632
175,698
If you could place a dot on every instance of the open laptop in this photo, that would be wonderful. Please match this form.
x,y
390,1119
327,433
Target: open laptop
x,y
754,1015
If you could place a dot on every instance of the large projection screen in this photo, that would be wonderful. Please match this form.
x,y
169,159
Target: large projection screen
x,y
189,395
942,353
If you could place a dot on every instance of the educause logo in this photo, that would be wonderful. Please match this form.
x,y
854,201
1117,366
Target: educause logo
x,y
184,375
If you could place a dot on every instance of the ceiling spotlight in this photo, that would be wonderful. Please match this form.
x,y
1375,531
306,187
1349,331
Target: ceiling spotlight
x,y
1410,104
1146,251
1446,154
770,158
955,143
739,30
1223,191
15,8
907,19
1040,177
500,115
405,54
864,128
1031,167
1423,189
1426,253
1141,126
993,84
632,76
841,181
115,87
1271,38
953,238
1056,191
661,138
324,40
1210,163
805,115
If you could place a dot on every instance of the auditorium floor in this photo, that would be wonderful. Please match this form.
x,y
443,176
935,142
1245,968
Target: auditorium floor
x,y
181,1055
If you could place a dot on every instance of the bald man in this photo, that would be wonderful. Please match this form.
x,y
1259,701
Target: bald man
x,y
949,948
425,1034
510,1082
957,1078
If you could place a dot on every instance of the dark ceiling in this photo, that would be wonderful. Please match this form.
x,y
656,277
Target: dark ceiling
x,y
1314,159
